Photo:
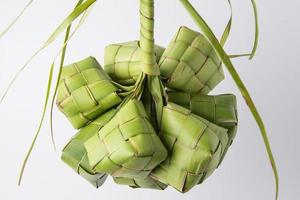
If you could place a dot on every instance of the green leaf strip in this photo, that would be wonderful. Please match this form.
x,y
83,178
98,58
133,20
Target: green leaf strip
x,y
226,60
69,19
84,16
227,30
62,59
15,19
39,127
239,55
256,29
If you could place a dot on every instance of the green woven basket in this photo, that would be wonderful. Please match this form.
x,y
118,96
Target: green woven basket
x,y
122,62
190,64
85,91
195,148
75,155
127,146
219,109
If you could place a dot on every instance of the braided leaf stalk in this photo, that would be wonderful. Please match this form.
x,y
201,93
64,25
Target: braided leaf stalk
x,y
149,64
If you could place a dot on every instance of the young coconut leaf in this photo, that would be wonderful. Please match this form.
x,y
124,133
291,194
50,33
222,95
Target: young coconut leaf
x,y
255,44
75,155
190,64
195,147
127,146
228,29
85,91
62,60
15,19
123,61
45,104
69,19
219,109
39,126
227,62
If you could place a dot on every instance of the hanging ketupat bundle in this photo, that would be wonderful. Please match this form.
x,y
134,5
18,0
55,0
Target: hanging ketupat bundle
x,y
146,119
114,149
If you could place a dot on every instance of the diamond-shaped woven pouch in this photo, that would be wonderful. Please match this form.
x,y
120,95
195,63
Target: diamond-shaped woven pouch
x,y
190,64
219,109
74,153
122,62
195,147
127,146
85,91
147,182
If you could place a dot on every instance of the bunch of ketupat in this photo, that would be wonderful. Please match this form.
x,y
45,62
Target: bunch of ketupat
x,y
146,118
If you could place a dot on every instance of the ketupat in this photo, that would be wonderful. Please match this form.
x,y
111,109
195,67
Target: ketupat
x,y
181,70
219,109
190,63
148,183
122,62
74,154
127,146
195,147
85,91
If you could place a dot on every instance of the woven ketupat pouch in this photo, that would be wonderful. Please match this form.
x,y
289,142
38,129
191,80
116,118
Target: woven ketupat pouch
x,y
219,109
127,146
195,147
147,182
74,153
190,64
122,62
85,91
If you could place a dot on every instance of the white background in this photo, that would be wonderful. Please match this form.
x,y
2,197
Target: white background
x,y
272,79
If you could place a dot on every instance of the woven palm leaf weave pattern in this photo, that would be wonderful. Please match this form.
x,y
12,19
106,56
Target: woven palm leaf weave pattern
x,y
166,130
195,147
75,155
122,61
122,149
190,64
219,109
127,146
146,119
147,182
85,92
